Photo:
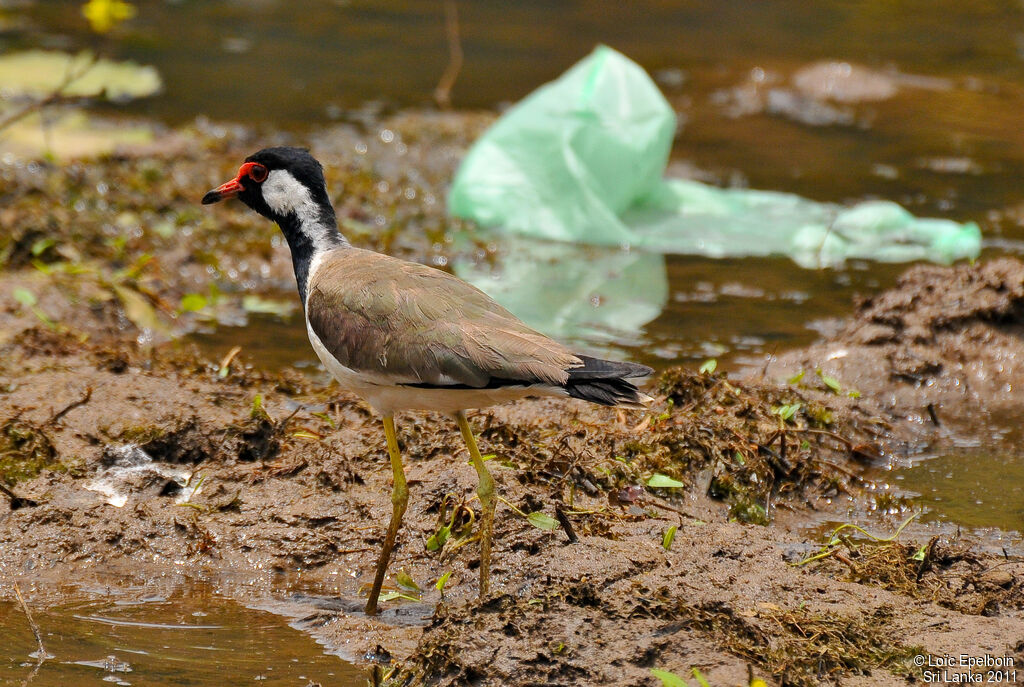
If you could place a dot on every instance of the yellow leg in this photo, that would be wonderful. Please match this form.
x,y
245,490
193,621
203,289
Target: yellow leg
x,y
485,490
399,501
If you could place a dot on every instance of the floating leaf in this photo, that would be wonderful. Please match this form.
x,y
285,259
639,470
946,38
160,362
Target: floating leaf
x,y
663,481
709,366
403,580
71,134
442,581
668,679
544,522
666,539
41,72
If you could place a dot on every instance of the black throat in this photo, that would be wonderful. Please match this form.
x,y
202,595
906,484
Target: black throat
x,y
306,242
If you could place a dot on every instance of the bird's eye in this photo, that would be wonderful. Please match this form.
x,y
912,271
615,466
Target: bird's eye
x,y
258,173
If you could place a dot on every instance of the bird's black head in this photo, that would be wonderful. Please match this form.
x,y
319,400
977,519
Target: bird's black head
x,y
283,184
287,185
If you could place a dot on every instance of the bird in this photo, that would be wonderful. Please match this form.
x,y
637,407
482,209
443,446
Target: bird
x,y
406,336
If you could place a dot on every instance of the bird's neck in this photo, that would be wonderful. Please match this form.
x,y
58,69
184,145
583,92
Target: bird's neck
x,y
309,238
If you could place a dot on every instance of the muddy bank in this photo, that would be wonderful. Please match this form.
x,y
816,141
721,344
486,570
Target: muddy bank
x,y
160,465
135,458
942,350
121,243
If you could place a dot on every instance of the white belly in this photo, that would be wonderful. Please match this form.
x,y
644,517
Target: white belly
x,y
388,398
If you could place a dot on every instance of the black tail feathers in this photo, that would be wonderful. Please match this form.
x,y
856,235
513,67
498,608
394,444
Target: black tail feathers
x,y
605,382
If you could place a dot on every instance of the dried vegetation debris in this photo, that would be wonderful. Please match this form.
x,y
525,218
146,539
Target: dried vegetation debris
x,y
725,439
949,573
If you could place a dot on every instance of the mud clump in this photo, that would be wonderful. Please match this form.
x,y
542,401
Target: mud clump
x,y
943,346
187,444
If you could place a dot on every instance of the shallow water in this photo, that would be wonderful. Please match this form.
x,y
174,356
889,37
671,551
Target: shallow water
x,y
147,636
975,484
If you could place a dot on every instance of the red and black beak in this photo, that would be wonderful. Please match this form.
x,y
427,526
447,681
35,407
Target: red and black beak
x,y
256,173
228,189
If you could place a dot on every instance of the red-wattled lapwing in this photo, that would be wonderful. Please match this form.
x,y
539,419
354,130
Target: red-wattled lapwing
x,y
404,336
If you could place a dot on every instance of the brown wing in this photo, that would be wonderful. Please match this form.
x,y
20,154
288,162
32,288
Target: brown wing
x,y
402,322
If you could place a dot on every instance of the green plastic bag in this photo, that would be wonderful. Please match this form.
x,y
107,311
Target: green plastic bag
x,y
581,160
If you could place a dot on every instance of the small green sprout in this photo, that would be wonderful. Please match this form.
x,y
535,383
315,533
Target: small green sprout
x,y
192,302
666,539
669,679
831,383
787,411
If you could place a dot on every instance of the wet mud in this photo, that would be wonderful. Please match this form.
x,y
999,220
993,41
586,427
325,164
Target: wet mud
x,y
162,466
944,347
668,539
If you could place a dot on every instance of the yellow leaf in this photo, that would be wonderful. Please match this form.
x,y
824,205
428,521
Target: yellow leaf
x,y
103,15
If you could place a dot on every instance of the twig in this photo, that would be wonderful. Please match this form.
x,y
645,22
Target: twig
x,y
41,656
443,92
71,406
563,519
225,364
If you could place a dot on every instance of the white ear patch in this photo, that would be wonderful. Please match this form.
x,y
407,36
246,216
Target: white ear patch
x,y
285,195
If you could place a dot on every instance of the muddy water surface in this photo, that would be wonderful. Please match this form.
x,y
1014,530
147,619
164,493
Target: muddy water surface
x,y
148,636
